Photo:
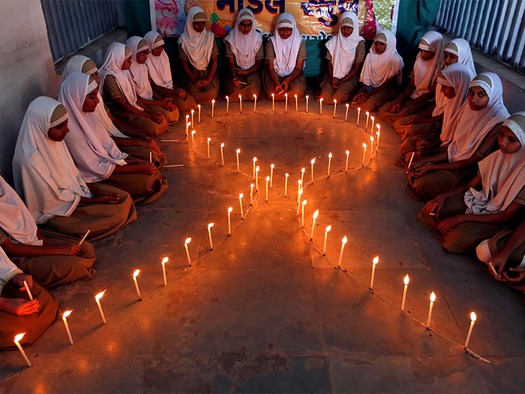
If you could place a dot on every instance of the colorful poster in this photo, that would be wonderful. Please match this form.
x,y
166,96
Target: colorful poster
x,y
316,19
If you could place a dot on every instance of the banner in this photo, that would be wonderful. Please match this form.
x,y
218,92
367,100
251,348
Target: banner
x,y
315,19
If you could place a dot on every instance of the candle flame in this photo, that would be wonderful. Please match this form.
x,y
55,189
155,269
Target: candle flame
x,y
328,228
316,214
301,192
227,98
295,95
100,295
213,101
241,196
273,95
252,185
188,124
272,166
359,109
19,337
305,202
222,145
193,132
303,169
368,113
187,241
299,182
286,175
312,161
267,179
378,126
321,99
330,155
136,273
344,240
209,139
473,316
335,101
230,210
372,118
364,146
165,260
240,97
198,105
192,111
286,95
378,134
432,297
371,139
307,96
406,280
255,96
238,151
257,169
347,105
347,152
66,314
210,225
376,260
187,117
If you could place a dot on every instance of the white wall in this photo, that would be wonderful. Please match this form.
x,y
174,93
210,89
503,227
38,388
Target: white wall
x,y
26,70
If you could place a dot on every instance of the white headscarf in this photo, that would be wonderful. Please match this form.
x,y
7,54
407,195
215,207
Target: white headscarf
x,y
244,46
158,66
44,173
502,175
342,49
139,72
8,269
380,68
471,127
81,64
93,150
457,76
286,51
115,56
197,46
15,219
425,71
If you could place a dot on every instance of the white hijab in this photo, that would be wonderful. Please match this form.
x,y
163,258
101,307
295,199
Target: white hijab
x,y
380,68
139,72
8,269
115,56
458,77
342,49
158,66
286,51
81,64
502,175
244,46
44,172
197,46
16,220
471,127
93,150
425,71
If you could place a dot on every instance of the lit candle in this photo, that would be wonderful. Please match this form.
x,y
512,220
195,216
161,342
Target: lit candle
x,y
208,146
296,103
406,281
374,263
321,106
273,102
199,116
227,104
358,114
251,193
335,107
302,212
432,300
286,102
212,107
410,161
372,128
271,175
222,154
65,315
303,170
346,112
135,274
364,153
97,300
188,124
378,133
326,231
163,263
299,189
151,157
240,103
316,214
371,147
367,116
307,97
312,162
254,102
210,225
286,183
28,290
343,243
254,164
230,210
473,318
240,204
89,230
267,186
329,163
299,201
238,164
186,243
346,162
257,179
192,116
193,132
17,340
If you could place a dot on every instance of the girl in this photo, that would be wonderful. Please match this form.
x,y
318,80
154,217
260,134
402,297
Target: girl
x,y
118,90
159,71
381,74
285,56
52,259
199,56
17,313
82,64
52,187
139,72
245,55
468,214
346,53
95,154
471,137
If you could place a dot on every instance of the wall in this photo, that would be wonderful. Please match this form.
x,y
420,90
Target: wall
x,y
26,70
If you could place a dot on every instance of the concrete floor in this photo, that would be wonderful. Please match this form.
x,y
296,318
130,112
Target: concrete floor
x,y
265,311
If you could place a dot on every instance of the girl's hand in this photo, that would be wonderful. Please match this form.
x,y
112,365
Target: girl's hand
x,y
68,249
335,83
236,82
515,279
19,279
396,108
449,223
433,207
181,93
19,306
360,98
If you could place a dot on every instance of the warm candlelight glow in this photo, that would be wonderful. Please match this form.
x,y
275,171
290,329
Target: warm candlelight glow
x,y
19,337
344,240
316,214
210,225
328,228
432,297
473,316
67,313
406,281
136,273
100,295
376,260
187,241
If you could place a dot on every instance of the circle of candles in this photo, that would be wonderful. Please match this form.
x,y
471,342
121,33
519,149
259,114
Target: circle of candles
x,y
315,215
343,243
254,163
296,103
364,153
321,106
210,225
17,340
346,162
346,112
89,230
28,290
374,263
240,103
163,263
212,107
271,175
65,315
273,102
307,97
251,193
192,116
286,183
208,140
326,231
240,204
302,212
227,104
335,107
257,179
358,114
303,170
97,300
254,102
199,115
230,210
406,280
222,154
329,163
186,243
193,132
267,185
473,318
135,274
286,102
432,300
238,164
